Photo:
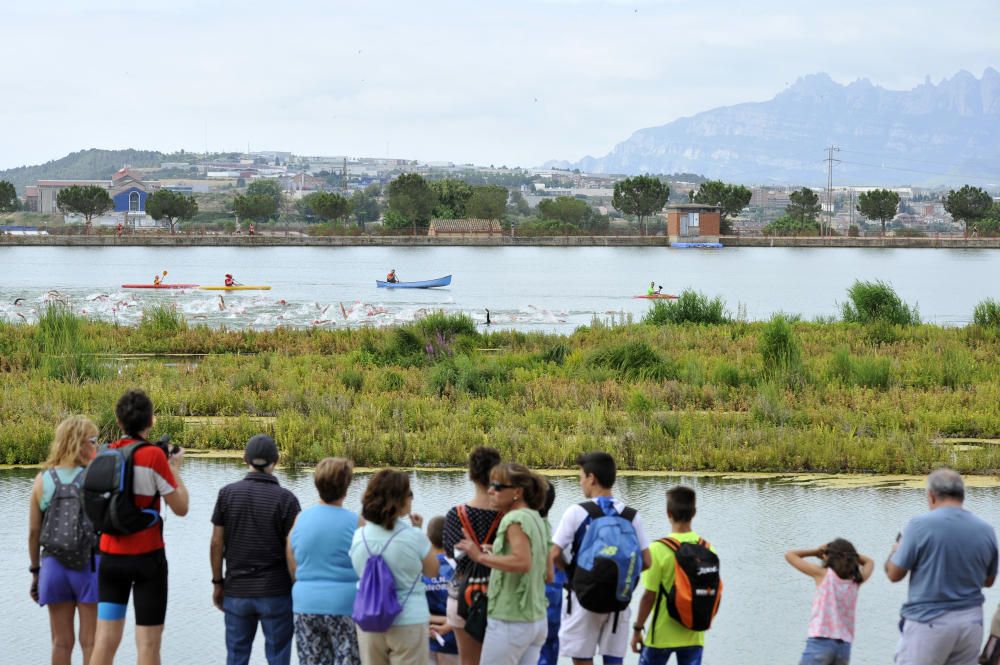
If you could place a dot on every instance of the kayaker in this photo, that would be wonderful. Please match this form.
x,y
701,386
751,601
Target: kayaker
x,y
229,280
156,280
391,277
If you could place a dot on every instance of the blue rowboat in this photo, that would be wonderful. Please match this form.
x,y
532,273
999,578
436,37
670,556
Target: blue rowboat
x,y
426,284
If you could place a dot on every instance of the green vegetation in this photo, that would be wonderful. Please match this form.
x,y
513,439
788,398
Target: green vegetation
x,y
879,205
968,205
877,302
8,197
690,307
641,196
87,200
171,206
987,314
732,199
800,218
783,395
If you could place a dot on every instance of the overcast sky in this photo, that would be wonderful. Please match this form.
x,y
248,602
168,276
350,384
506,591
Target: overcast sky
x,y
514,82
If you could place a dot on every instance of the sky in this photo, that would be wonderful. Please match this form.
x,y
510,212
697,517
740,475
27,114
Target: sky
x,y
513,83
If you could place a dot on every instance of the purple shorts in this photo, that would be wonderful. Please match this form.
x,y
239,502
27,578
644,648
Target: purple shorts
x,y
59,584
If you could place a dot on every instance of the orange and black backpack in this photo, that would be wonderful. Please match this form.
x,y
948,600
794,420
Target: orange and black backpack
x,y
694,598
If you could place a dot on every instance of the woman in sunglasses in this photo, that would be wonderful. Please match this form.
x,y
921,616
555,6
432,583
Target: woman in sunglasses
x,y
62,542
516,628
480,520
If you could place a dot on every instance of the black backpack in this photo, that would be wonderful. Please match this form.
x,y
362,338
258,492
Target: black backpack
x,y
67,533
108,495
694,598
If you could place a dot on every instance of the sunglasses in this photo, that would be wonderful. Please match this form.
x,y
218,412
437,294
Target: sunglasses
x,y
496,487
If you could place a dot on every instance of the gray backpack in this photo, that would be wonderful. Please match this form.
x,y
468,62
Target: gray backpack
x,y
67,533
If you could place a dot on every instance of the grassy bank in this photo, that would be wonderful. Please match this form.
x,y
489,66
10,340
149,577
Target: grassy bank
x,y
734,396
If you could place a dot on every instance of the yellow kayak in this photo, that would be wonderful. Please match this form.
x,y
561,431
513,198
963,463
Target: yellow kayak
x,y
241,287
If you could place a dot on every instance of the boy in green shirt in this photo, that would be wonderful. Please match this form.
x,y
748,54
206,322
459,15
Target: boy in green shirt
x,y
667,636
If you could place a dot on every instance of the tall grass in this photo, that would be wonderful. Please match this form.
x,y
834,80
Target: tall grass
x,y
987,314
634,360
65,351
673,397
690,307
871,302
780,349
163,319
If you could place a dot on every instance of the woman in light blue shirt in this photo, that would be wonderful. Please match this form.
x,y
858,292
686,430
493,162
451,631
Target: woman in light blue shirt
x,y
386,503
320,563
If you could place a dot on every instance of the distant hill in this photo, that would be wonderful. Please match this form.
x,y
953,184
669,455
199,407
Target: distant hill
x,y
933,134
90,164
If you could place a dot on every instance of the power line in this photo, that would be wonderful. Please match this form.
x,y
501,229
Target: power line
x,y
992,178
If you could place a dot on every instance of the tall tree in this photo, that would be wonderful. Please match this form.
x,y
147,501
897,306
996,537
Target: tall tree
x,y
87,200
640,196
804,206
327,205
171,206
969,204
267,187
412,199
8,197
879,204
519,204
732,199
258,207
487,202
365,204
452,197
572,212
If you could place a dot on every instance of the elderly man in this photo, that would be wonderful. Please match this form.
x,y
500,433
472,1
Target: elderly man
x,y
950,555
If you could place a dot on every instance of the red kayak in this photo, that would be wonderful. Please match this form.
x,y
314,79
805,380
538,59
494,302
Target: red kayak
x,y
658,296
159,286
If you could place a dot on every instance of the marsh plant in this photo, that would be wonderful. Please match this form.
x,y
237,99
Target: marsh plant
x,y
877,302
690,307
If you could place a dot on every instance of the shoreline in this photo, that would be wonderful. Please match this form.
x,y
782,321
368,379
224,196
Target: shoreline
x,y
796,478
181,240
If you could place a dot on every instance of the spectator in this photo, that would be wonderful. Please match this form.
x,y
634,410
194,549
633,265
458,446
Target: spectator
x,y
444,649
484,521
831,626
666,635
516,628
583,633
950,555
69,588
136,564
553,594
252,519
320,563
406,550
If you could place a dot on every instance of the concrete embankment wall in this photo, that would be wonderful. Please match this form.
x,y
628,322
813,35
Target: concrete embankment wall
x,y
473,241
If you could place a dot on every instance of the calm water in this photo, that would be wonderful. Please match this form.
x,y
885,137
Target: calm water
x,y
751,522
546,289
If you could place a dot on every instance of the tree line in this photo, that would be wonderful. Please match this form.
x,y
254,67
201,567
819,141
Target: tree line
x,y
410,202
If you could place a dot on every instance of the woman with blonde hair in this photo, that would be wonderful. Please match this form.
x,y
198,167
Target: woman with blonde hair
x,y
62,543
516,627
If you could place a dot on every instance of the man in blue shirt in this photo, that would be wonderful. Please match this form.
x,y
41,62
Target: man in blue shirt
x,y
950,555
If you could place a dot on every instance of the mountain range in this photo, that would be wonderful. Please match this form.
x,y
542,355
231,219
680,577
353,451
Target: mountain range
x,y
935,134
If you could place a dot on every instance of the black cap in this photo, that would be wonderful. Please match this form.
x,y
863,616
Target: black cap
x,y
261,451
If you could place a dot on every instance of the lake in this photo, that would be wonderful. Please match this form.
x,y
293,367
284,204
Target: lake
x,y
549,289
751,522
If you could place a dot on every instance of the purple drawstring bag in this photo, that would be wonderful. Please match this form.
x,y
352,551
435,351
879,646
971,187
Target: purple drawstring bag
x,y
376,605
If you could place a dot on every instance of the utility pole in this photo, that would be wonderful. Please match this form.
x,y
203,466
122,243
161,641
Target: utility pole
x,y
829,187
343,178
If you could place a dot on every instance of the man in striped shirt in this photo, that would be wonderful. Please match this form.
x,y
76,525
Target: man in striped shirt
x,y
252,520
